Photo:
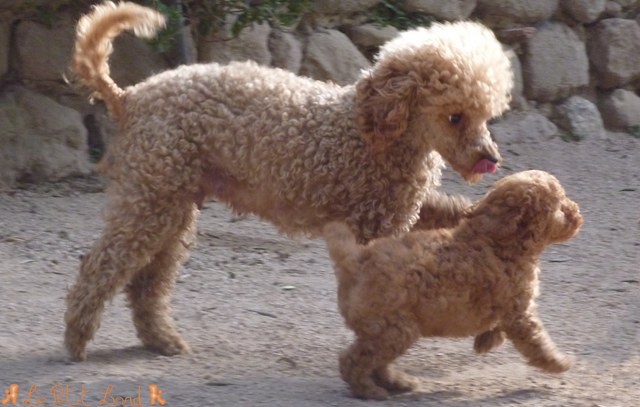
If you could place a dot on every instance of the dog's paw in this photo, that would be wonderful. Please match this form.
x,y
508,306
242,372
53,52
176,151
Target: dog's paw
x,y
76,346
168,345
76,355
178,348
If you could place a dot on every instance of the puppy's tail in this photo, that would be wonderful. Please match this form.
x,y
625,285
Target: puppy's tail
x,y
343,249
94,37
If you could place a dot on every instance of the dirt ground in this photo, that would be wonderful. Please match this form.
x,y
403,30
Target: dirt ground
x,y
259,309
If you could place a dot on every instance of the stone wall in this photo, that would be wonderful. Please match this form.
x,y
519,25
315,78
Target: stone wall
x,y
576,63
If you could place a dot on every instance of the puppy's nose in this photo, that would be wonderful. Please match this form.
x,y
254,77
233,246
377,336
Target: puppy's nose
x,y
492,158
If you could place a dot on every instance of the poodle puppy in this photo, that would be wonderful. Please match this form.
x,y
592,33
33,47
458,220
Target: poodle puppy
x,y
479,278
294,151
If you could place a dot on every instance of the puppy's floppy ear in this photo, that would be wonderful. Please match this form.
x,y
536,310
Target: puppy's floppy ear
x,y
509,214
383,101
502,223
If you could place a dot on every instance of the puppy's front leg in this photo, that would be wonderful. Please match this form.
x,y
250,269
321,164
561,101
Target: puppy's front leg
x,y
442,211
530,338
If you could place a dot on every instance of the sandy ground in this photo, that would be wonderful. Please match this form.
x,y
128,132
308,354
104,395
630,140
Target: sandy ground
x,y
259,310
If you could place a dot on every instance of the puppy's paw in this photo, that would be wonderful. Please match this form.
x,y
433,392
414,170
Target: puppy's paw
x,y
558,363
554,363
370,393
488,341
395,381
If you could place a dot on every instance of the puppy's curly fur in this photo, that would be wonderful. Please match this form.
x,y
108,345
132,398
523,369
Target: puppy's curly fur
x,y
479,278
294,151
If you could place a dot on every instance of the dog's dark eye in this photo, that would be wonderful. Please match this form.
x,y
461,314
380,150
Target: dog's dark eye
x,y
455,118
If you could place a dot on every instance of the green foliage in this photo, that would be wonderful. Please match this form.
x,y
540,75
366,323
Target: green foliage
x,y
281,13
210,16
164,39
567,136
389,12
48,13
95,153
207,16
634,131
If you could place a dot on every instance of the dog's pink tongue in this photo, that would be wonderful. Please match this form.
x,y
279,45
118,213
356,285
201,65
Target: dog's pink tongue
x,y
483,166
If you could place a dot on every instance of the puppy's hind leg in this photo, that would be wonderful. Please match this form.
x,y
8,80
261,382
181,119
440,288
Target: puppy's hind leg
x,y
365,366
136,229
395,342
150,289
395,380
357,364
489,340
531,340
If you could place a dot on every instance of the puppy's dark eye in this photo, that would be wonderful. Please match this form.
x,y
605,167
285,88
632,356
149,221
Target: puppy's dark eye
x,y
455,118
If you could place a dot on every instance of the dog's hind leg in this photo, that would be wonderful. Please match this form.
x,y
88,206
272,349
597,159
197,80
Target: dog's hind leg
x,y
150,289
137,227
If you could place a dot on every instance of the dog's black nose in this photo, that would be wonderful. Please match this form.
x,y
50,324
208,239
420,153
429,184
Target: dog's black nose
x,y
493,159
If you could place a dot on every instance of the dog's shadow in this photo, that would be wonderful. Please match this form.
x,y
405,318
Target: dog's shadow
x,y
456,398
104,356
122,355
43,368
519,396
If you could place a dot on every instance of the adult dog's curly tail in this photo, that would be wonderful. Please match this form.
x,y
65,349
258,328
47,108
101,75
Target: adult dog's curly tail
x,y
343,250
94,36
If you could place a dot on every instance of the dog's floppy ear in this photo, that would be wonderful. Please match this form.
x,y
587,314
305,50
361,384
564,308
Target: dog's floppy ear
x,y
383,100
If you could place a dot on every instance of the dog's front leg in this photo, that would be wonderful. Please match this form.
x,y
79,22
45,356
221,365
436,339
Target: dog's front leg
x,y
531,339
442,211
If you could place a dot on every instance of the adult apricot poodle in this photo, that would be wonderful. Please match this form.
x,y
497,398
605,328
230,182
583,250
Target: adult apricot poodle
x,y
295,151
479,279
